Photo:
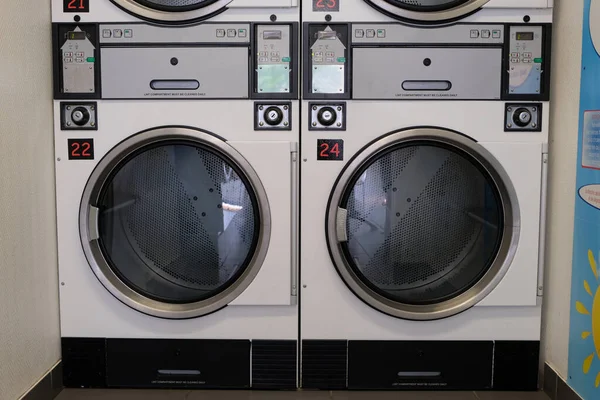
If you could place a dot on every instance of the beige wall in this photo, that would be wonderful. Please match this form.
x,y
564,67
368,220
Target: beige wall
x,y
29,327
563,148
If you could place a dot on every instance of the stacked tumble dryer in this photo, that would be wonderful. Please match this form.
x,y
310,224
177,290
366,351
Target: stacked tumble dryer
x,y
424,159
176,140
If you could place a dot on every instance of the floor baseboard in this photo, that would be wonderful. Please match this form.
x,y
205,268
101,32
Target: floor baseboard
x,y
48,387
556,388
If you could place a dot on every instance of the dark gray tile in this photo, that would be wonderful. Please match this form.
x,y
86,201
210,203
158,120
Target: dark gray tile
x,y
124,394
564,391
512,396
550,378
401,395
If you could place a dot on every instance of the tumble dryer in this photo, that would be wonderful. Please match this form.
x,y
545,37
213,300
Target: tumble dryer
x,y
424,159
176,144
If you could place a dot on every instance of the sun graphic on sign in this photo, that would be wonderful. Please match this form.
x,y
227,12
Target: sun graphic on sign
x,y
594,316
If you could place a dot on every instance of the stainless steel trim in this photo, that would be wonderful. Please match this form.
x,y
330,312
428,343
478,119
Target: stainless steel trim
x,y
341,219
167,16
501,263
97,260
294,223
93,223
542,238
431,16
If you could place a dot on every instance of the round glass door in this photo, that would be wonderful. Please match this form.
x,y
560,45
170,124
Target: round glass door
x,y
175,223
173,11
423,224
428,11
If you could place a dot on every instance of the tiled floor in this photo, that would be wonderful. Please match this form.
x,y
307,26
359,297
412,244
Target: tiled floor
x,y
93,394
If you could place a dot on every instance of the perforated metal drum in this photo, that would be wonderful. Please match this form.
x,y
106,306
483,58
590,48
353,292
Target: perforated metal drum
x,y
173,11
177,223
423,224
428,11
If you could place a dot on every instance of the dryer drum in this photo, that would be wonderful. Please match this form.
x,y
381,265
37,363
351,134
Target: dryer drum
x,y
173,11
424,226
428,11
176,225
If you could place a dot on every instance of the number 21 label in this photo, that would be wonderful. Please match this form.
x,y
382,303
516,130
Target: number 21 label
x,y
76,6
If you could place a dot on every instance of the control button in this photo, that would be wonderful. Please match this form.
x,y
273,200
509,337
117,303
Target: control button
x,y
263,53
330,54
318,59
118,33
273,116
275,54
327,116
79,54
474,33
275,59
527,60
514,60
318,54
528,55
231,32
220,32
496,34
522,117
485,34
370,33
263,59
286,59
330,59
514,55
242,33
128,33
380,33
69,54
68,60
106,33
80,116
359,33
79,60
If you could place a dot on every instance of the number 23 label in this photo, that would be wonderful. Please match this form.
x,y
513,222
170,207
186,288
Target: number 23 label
x,y
326,5
330,150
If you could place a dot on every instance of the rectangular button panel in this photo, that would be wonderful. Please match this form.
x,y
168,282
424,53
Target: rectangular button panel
x,y
204,33
455,34
526,59
273,58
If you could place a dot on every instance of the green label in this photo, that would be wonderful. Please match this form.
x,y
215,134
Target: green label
x,y
286,59
537,60
91,59
342,59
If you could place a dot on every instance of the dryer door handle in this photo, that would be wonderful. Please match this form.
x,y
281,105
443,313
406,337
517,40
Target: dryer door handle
x,y
340,225
94,231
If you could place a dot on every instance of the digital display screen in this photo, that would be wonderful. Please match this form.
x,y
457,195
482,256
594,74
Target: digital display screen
x,y
524,35
76,35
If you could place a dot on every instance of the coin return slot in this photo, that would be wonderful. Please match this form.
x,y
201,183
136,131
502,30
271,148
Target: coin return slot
x,y
417,374
175,84
178,372
427,85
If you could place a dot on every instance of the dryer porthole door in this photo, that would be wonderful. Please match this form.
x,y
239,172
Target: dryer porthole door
x,y
428,11
172,11
423,224
175,223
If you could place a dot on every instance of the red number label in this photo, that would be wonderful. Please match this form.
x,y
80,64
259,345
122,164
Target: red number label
x,y
326,5
330,149
76,5
81,149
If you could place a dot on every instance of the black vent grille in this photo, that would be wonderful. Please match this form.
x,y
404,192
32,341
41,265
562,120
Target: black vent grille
x,y
274,364
84,362
324,364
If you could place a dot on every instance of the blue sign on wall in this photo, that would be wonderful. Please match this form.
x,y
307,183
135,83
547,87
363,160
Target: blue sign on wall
x,y
584,338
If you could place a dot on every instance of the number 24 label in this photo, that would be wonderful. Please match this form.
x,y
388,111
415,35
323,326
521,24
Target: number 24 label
x,y
330,149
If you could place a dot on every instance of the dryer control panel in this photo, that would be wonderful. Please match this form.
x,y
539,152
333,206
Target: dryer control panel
x,y
392,61
230,60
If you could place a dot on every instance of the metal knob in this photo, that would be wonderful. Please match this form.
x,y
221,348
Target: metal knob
x,y
273,116
522,117
80,116
327,116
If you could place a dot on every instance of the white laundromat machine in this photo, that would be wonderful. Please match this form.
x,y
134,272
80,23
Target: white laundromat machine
x,y
423,183
176,131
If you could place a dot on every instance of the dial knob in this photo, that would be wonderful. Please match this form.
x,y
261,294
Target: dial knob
x,y
327,116
522,117
273,116
80,116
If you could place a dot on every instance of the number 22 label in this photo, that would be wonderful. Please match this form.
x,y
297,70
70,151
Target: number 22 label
x,y
81,149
